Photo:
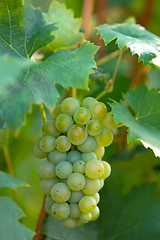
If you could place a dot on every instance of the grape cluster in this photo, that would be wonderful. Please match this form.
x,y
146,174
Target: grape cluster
x,y
73,172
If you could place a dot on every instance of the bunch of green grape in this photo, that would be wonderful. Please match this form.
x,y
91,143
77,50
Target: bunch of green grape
x,y
73,144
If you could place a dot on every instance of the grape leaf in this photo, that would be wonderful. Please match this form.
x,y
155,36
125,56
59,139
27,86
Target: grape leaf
x,y
133,36
68,33
10,228
23,29
145,126
7,181
54,228
37,83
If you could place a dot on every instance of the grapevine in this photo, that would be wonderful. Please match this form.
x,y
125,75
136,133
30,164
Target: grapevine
x,y
73,144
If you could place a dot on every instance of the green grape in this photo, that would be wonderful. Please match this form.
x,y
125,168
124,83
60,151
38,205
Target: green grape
x,y
94,127
63,181
109,122
63,122
105,138
107,170
47,144
49,128
63,169
46,170
87,204
101,183
88,102
88,146
79,166
96,196
92,186
77,134
94,169
56,157
76,181
60,211
49,201
95,213
47,184
86,157
85,217
82,116
75,196
60,192
79,223
70,105
74,210
38,152
57,110
69,223
98,111
62,144
47,208
73,156
99,151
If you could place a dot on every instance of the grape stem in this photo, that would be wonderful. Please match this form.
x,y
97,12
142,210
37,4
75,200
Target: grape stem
x,y
74,92
110,89
88,7
108,57
43,114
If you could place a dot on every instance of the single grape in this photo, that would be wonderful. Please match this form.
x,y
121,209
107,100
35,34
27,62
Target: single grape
x,y
49,128
62,144
57,110
88,102
88,146
75,196
46,170
63,169
60,211
96,196
94,127
86,157
49,200
70,105
107,170
105,138
98,111
76,181
82,116
92,186
47,184
73,156
109,122
79,223
77,134
79,166
47,144
69,223
60,192
74,210
85,217
87,204
99,151
56,157
38,152
94,169
95,213
101,183
63,122
47,208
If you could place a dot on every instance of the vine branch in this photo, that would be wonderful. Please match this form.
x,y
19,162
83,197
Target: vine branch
x,y
87,11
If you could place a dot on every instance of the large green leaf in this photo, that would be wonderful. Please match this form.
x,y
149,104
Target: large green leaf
x,y
129,217
54,228
133,36
37,83
10,228
23,29
7,181
68,33
145,125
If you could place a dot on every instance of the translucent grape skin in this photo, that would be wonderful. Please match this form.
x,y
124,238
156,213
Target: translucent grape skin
x,y
76,181
69,106
56,157
88,102
82,116
75,196
47,184
99,151
92,186
73,156
98,111
46,170
49,128
62,144
60,192
49,200
94,169
37,151
74,210
60,211
63,169
79,166
109,122
69,223
105,138
95,213
96,196
77,134
47,144
107,170
85,217
88,146
87,204
63,122
94,127
86,157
